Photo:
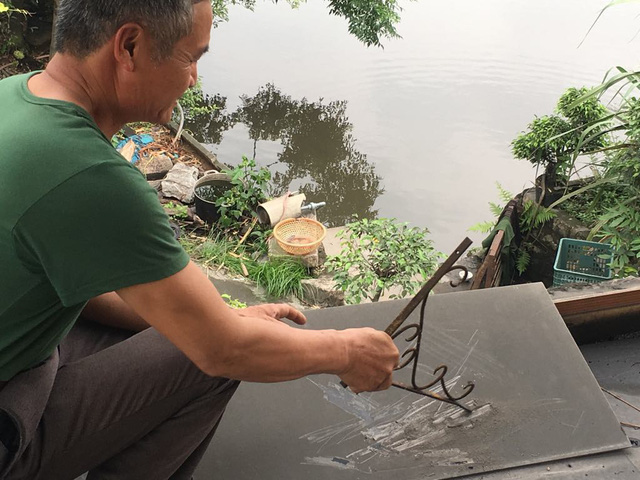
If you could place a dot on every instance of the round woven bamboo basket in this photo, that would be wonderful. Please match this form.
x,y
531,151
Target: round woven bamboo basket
x,y
299,236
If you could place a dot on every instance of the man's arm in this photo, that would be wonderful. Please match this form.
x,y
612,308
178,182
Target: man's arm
x,y
110,309
187,309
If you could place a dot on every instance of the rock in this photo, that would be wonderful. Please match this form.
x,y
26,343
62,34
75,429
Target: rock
x,y
180,182
310,260
155,184
322,292
155,167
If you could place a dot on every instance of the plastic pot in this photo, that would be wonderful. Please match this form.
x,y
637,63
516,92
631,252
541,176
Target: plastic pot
x,y
207,189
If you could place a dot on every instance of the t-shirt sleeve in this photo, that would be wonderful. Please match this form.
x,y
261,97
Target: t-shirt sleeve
x,y
101,230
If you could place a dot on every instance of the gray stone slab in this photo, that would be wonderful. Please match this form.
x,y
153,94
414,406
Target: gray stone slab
x,y
535,401
604,466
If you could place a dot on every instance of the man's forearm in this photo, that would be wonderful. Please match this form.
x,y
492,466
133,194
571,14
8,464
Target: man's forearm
x,y
188,310
273,352
110,309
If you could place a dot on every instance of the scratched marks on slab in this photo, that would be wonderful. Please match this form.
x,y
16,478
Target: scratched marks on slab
x,y
444,346
412,432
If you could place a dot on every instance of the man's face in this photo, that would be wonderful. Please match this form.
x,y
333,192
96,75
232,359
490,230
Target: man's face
x,y
165,81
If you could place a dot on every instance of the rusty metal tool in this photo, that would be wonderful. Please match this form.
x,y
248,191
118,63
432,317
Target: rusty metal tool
x,y
395,329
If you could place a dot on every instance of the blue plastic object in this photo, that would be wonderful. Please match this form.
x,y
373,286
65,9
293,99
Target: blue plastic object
x,y
139,140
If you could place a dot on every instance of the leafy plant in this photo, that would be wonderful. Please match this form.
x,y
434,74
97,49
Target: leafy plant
x,y
380,254
196,103
612,3
176,210
618,166
496,209
237,205
620,226
215,250
10,42
523,260
555,141
233,302
368,19
532,216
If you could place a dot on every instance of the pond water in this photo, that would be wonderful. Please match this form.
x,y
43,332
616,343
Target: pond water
x,y
419,130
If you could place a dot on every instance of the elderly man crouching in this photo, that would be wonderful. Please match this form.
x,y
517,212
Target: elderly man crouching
x,y
89,263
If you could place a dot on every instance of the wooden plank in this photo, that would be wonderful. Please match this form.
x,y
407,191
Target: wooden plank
x,y
598,302
208,158
493,259
491,271
495,281
479,276
496,245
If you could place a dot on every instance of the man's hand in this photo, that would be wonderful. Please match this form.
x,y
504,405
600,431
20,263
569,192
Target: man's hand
x,y
372,356
274,312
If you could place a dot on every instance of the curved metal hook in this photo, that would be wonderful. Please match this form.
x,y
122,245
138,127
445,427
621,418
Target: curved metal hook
x,y
410,338
412,354
464,277
439,378
395,329
467,389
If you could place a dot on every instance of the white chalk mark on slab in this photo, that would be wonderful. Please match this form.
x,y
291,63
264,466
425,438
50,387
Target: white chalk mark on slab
x,y
410,428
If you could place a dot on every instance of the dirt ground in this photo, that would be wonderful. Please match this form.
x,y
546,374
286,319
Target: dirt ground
x,y
9,66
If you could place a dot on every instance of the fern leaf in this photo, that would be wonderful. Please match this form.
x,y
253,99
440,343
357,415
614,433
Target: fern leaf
x,y
523,261
496,209
543,215
504,195
482,227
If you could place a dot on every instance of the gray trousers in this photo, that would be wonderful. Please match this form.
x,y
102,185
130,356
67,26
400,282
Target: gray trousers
x,y
120,406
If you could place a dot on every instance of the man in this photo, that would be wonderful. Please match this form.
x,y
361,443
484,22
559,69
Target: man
x,y
82,237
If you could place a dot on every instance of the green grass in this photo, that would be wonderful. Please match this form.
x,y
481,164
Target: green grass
x,y
280,277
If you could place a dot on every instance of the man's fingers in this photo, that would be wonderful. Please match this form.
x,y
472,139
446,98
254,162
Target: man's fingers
x,y
276,311
282,310
385,384
293,314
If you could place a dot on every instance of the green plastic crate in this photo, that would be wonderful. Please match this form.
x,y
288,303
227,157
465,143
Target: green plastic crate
x,y
580,261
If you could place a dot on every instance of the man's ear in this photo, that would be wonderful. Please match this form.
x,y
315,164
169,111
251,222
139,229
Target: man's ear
x,y
127,45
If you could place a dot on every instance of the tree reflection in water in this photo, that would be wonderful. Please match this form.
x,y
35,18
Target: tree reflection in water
x,y
208,121
317,148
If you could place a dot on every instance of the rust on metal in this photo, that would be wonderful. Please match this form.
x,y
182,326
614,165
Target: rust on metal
x,y
415,330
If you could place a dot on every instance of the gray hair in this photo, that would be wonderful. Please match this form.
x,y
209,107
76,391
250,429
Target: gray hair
x,y
83,26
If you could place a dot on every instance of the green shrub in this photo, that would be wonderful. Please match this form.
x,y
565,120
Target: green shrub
x,y
383,254
238,204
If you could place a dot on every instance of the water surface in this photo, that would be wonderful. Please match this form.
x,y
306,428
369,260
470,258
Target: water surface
x,y
419,130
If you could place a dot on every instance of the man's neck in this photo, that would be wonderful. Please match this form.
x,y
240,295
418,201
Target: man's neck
x,y
69,79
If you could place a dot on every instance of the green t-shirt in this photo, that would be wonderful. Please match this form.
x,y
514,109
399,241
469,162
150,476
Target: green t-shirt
x,y
76,220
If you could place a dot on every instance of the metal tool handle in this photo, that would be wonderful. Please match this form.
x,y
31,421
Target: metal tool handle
x,y
446,267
